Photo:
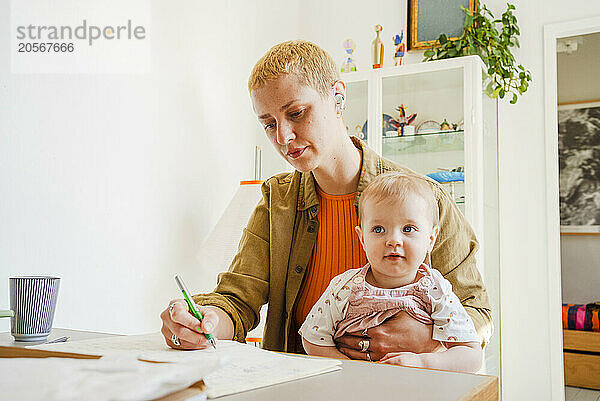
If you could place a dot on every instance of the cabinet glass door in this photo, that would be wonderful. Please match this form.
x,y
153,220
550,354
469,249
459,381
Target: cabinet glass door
x,y
357,107
434,141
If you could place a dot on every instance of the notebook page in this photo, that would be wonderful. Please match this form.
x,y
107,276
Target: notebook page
x,y
244,367
152,345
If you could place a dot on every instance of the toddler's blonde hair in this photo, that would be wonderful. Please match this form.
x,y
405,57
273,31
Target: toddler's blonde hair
x,y
312,65
397,187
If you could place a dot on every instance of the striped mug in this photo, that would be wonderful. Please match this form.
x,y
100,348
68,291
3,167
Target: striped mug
x,y
33,301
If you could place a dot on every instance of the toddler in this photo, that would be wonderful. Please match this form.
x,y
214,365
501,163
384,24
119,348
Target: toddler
x,y
398,226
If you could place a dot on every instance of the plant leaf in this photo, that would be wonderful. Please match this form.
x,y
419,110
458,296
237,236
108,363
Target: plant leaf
x,y
492,39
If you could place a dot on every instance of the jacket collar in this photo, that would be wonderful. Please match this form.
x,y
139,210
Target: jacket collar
x,y
371,166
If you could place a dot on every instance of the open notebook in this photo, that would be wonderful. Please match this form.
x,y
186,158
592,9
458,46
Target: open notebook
x,y
243,367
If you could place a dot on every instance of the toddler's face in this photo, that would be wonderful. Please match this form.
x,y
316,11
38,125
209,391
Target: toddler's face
x,y
396,236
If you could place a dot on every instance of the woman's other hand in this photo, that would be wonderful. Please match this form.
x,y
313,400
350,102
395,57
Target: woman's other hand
x,y
401,333
189,331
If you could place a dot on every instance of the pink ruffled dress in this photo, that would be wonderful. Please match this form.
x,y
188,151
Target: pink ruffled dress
x,y
351,305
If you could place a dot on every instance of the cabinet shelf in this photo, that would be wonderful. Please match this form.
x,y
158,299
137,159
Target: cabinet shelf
x,y
450,90
443,141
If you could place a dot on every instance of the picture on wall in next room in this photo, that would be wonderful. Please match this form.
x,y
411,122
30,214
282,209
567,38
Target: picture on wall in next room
x,y
579,167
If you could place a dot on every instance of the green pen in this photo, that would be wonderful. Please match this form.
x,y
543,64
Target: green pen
x,y
192,307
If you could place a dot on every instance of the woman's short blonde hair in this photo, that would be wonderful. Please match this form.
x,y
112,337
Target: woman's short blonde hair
x,y
312,65
397,187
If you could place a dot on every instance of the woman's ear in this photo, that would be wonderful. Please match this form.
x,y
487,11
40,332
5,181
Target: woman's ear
x,y
339,88
434,234
339,96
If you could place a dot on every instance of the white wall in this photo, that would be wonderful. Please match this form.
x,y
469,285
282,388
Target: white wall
x,y
575,70
329,23
112,181
580,268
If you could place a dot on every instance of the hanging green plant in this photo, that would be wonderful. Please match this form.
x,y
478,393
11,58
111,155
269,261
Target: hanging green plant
x,y
491,39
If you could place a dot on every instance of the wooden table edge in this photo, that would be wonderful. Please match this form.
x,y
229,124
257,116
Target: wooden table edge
x,y
486,391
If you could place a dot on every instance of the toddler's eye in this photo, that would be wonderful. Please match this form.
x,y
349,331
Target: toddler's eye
x,y
408,229
378,229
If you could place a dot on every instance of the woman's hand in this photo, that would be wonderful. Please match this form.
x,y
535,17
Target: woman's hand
x,y
178,321
401,333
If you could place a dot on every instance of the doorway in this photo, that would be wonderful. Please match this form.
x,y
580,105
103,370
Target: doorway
x,y
572,100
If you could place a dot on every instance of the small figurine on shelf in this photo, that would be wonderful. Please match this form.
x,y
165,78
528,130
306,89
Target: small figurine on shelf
x,y
377,49
428,126
399,49
349,65
390,126
405,121
445,126
460,126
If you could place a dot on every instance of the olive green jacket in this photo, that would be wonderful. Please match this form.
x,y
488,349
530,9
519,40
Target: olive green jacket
x,y
275,248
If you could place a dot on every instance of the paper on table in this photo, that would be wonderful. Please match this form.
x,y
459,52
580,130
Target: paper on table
x,y
130,345
245,367
105,379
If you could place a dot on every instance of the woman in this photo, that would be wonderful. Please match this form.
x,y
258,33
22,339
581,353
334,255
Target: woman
x,y
301,233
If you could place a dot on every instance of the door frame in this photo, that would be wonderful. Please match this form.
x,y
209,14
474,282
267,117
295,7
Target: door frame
x,y
552,32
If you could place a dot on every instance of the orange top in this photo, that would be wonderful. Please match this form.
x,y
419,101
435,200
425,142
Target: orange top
x,y
336,249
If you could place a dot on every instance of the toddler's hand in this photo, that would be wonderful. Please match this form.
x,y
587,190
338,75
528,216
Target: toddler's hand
x,y
404,359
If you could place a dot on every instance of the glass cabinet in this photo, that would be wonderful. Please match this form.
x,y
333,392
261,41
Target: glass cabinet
x,y
454,133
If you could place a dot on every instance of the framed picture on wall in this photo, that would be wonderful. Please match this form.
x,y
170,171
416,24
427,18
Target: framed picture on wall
x,y
579,167
428,19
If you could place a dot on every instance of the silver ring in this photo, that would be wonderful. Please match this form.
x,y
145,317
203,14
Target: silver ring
x,y
369,357
364,345
172,306
175,340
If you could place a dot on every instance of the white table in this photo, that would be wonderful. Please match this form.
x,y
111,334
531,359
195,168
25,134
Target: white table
x,y
8,341
356,380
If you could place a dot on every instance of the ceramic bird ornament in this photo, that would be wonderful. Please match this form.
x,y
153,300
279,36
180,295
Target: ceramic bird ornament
x,y
404,120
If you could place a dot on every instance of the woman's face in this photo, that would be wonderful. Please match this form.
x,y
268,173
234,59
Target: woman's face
x,y
298,121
